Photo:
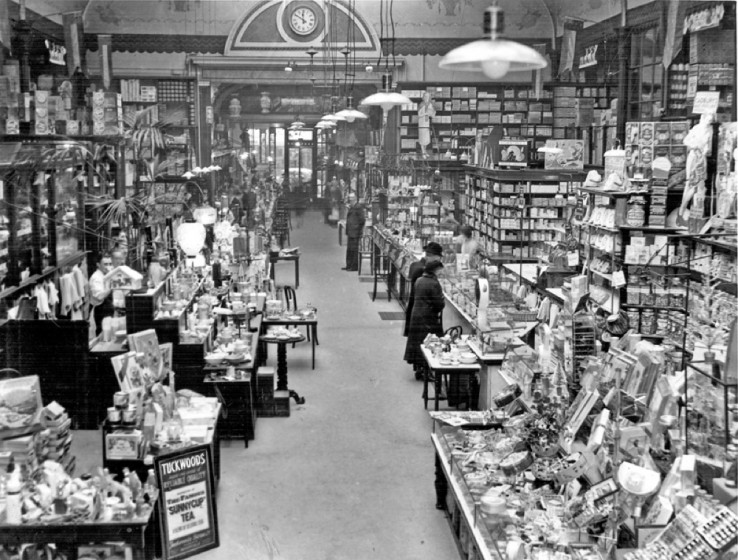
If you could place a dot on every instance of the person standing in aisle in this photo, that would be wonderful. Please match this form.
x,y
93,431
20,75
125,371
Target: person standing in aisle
x,y
467,244
355,220
426,317
101,296
433,252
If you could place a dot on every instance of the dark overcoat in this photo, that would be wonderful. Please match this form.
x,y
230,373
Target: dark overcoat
x,y
415,271
426,316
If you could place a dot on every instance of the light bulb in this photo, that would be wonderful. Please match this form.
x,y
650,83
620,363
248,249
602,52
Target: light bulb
x,y
350,118
495,68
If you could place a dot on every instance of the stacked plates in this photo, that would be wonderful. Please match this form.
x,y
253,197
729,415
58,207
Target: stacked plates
x,y
468,358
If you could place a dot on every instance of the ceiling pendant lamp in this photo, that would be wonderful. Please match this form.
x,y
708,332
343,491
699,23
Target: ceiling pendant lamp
x,y
386,99
493,56
349,113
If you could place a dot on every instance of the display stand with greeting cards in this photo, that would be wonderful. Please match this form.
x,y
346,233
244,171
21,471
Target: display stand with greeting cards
x,y
147,419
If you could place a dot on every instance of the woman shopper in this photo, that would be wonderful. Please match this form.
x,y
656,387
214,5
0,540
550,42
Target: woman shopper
x,y
433,252
426,317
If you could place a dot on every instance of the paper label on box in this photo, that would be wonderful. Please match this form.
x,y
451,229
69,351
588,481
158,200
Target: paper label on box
x,y
618,279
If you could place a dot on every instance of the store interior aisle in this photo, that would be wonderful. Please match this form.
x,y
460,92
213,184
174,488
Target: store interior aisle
x,y
350,473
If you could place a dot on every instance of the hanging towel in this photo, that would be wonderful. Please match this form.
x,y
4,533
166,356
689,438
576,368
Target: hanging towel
x,y
42,302
80,282
53,294
69,296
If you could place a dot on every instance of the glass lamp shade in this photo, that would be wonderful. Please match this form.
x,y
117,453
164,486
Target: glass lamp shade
x,y
191,237
351,114
493,56
334,117
386,100
205,215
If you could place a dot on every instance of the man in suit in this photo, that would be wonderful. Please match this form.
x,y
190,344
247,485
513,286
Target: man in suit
x,y
355,220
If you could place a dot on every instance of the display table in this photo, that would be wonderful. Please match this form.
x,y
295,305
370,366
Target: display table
x,y
141,465
275,258
438,370
140,534
282,363
295,321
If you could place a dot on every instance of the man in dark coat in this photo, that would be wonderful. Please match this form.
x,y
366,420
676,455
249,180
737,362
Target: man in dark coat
x,y
426,316
355,220
432,252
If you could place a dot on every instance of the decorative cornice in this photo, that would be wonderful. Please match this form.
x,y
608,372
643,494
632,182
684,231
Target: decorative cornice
x,y
201,44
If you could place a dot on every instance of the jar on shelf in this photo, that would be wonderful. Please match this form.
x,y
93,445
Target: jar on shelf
x,y
636,213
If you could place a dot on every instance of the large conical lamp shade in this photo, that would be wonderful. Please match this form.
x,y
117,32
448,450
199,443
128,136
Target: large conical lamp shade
x,y
191,238
351,114
333,117
386,99
494,57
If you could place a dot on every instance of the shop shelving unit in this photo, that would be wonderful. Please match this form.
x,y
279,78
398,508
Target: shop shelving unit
x,y
517,211
464,110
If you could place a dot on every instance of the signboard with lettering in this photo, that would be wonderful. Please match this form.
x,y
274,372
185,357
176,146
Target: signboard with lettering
x,y
706,102
188,514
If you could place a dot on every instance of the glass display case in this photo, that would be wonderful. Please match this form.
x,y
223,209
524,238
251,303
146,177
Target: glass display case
x,y
710,426
462,480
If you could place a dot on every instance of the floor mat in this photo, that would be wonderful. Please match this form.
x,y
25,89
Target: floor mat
x,y
392,315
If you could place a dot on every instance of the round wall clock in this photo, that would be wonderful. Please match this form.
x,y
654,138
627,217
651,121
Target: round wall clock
x,y
303,20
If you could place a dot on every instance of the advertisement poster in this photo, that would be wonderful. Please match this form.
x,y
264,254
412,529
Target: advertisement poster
x,y
188,515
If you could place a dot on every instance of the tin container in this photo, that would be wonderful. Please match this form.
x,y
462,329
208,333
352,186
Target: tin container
x,y
120,400
129,415
113,415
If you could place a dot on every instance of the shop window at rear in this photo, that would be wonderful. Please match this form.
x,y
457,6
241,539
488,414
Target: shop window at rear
x,y
646,75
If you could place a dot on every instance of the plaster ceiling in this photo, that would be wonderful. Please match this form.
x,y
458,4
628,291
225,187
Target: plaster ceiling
x,y
413,18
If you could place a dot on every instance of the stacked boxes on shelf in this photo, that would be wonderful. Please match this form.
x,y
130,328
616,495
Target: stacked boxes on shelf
x,y
564,110
107,113
646,141
20,450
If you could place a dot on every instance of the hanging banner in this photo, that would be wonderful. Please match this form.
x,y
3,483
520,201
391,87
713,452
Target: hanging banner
x,y
674,32
105,50
568,44
187,502
73,34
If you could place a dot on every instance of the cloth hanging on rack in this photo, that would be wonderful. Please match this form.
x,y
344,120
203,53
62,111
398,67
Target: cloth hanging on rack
x,y
53,293
80,282
42,302
72,303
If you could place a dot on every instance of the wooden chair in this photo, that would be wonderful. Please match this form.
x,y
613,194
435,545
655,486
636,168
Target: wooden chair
x,y
366,251
290,297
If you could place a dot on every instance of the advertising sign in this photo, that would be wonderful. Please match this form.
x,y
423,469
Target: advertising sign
x,y
188,514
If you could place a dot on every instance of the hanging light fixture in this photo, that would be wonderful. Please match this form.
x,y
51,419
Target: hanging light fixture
x,y
493,56
349,113
191,238
386,99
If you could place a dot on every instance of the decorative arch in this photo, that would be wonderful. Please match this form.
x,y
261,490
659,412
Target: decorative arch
x,y
266,28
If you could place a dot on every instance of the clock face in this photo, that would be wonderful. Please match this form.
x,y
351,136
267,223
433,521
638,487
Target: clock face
x,y
303,21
